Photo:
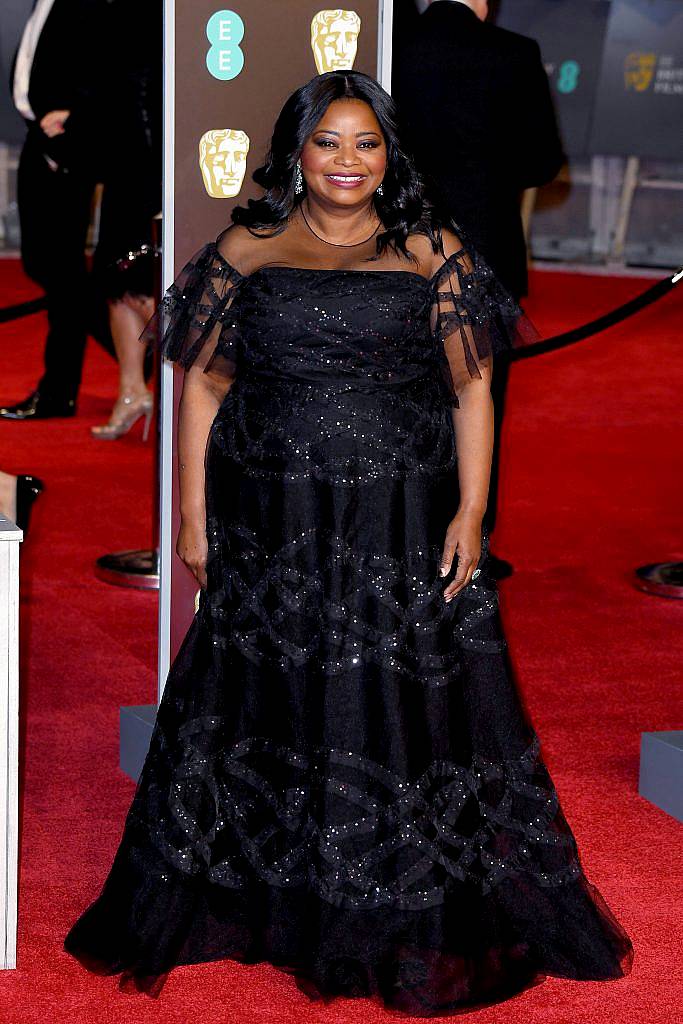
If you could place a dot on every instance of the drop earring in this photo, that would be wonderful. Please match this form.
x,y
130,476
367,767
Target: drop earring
x,y
298,180
379,191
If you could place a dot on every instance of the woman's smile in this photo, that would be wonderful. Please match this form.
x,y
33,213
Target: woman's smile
x,y
346,180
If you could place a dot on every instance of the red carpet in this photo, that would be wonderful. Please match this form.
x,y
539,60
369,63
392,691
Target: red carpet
x,y
591,488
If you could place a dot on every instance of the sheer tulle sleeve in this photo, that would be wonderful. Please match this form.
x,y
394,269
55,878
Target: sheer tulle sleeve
x,y
193,322
474,318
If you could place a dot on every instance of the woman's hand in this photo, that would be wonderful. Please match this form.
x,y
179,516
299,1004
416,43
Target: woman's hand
x,y
53,123
192,547
463,542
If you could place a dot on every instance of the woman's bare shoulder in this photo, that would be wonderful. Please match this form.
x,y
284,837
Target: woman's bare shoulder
x,y
421,247
237,245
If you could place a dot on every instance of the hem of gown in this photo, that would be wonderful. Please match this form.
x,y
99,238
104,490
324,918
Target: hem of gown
x,y
514,967
152,985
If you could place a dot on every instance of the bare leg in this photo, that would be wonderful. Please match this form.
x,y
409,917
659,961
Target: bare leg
x,y
8,495
127,318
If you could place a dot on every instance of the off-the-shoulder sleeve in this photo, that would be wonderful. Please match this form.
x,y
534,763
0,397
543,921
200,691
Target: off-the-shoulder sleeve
x,y
474,318
193,320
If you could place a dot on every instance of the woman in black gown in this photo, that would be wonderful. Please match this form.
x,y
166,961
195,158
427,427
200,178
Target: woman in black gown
x,y
342,779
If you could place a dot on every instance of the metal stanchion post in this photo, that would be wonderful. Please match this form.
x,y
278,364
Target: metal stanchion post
x,y
140,568
663,579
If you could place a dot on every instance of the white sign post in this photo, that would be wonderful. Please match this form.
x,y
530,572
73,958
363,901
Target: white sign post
x,y
10,537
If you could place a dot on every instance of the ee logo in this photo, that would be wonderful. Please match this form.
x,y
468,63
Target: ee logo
x,y
225,31
568,78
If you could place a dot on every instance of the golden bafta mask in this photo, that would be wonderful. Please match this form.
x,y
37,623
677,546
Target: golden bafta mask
x,y
638,70
223,160
334,40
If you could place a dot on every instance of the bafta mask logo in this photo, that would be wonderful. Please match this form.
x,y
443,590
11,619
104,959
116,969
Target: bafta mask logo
x,y
639,69
334,40
223,160
225,32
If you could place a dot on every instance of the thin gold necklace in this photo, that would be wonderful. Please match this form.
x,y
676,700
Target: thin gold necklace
x,y
339,245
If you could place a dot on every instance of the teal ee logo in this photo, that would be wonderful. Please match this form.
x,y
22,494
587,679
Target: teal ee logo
x,y
225,31
568,76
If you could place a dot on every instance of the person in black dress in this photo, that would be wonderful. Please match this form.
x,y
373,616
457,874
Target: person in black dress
x,y
485,90
124,260
342,779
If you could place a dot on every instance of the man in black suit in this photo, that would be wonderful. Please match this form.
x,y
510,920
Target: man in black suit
x,y
477,108
53,86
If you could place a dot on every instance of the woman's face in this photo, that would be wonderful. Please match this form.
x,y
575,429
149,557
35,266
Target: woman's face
x,y
344,159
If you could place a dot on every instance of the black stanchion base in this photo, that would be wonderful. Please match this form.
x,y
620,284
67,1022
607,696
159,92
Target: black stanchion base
x,y
663,579
138,569
661,770
135,732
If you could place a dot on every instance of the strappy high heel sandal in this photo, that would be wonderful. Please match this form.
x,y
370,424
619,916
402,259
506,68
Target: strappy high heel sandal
x,y
125,414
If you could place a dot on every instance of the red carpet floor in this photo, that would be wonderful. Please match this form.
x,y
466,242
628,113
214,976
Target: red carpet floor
x,y
591,488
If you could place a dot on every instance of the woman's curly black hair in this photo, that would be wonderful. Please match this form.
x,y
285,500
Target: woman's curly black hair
x,y
402,207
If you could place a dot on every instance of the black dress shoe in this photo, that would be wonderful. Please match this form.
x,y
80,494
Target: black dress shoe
x,y
38,407
28,489
498,568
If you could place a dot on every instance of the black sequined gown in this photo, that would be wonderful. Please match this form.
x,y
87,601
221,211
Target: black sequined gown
x,y
342,779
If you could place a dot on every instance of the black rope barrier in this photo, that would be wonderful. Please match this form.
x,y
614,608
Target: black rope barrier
x,y
601,323
8,313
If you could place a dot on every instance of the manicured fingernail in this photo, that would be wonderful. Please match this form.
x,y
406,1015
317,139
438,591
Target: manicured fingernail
x,y
443,570
449,599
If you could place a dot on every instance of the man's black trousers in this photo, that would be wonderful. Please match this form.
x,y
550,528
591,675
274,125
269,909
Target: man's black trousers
x,y
54,213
